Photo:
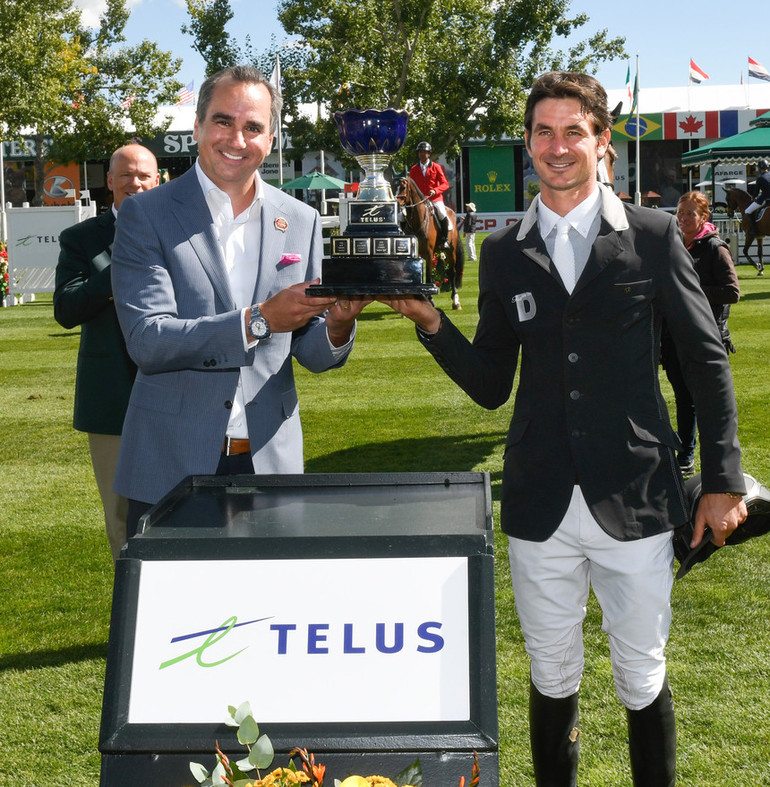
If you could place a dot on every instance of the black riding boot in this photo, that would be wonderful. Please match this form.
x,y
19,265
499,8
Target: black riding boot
x,y
553,733
443,239
652,742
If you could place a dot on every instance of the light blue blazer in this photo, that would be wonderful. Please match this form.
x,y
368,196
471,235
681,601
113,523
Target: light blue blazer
x,y
183,331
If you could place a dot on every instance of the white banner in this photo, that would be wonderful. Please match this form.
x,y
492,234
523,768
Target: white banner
x,y
302,640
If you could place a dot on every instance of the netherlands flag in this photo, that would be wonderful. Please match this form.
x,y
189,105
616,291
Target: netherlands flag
x,y
697,75
758,71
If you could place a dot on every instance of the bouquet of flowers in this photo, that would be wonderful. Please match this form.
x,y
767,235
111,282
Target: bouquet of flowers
x,y
4,289
261,755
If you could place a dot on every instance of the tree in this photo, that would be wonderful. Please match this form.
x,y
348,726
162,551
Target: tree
x,y
462,68
78,86
207,27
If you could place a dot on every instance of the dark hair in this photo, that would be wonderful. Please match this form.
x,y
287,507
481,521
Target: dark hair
x,y
698,198
247,74
569,84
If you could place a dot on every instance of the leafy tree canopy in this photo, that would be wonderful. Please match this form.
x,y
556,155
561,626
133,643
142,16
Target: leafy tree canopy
x,y
462,68
82,87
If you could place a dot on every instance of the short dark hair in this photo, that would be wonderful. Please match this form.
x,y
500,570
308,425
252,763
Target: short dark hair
x,y
247,74
569,84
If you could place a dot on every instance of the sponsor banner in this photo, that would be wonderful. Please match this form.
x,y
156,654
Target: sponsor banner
x,y
59,180
492,178
489,222
312,640
33,233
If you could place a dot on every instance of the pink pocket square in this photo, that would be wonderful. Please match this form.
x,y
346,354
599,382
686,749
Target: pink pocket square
x,y
289,259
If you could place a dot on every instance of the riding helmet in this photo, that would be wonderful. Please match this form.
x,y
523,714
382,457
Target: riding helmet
x,y
425,146
757,523
763,165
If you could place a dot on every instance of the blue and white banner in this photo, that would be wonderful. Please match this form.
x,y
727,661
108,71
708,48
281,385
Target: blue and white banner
x,y
317,640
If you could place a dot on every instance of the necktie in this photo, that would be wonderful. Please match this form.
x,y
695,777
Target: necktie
x,y
563,254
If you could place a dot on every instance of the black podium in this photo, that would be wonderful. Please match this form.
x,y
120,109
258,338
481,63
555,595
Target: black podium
x,y
354,612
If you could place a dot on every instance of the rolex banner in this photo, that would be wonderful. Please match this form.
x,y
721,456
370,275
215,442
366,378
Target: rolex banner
x,y
492,178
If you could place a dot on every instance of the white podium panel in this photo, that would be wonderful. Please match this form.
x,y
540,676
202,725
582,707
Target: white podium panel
x,y
355,613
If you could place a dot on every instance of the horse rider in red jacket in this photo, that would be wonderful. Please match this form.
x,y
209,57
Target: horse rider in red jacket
x,y
431,180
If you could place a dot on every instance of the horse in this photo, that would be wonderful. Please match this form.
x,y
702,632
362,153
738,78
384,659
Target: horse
x,y
605,169
420,221
738,199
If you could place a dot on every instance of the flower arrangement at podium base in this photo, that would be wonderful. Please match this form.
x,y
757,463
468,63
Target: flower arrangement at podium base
x,y
261,756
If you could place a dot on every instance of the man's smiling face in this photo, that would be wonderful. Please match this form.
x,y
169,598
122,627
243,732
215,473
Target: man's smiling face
x,y
234,137
565,149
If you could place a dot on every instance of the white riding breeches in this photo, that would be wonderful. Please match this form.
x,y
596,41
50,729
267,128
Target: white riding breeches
x,y
632,581
440,208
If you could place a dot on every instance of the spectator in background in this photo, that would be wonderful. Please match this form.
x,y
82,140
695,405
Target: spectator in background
x,y
469,230
83,296
718,280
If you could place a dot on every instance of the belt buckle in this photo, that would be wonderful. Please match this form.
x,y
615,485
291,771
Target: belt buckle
x,y
228,442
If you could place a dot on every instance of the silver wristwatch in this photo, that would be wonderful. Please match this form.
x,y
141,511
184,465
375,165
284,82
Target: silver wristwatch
x,y
258,326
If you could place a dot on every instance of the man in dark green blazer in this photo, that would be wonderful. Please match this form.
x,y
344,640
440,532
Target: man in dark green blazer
x,y
83,296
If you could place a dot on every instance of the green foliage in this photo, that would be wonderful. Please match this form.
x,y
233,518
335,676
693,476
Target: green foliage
x,y
460,67
259,747
68,82
211,41
391,408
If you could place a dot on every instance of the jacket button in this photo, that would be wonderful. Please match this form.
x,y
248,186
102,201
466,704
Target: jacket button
x,y
573,357
206,364
212,362
228,405
574,395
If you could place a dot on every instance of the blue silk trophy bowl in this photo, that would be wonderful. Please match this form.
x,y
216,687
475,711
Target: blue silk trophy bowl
x,y
372,256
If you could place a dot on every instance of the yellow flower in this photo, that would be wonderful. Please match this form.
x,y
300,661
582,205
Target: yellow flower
x,y
281,777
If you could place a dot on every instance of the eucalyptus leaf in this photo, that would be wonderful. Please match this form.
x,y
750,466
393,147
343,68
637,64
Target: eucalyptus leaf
x,y
199,772
248,731
230,721
262,753
245,765
243,711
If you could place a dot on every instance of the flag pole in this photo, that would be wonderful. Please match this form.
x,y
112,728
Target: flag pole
x,y
638,192
280,125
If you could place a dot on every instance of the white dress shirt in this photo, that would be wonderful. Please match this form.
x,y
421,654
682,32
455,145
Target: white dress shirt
x,y
584,221
239,238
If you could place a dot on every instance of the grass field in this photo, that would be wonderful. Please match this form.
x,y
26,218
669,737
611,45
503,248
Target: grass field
x,y
390,409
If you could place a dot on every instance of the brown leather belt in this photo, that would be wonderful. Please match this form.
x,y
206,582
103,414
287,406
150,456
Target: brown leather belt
x,y
235,445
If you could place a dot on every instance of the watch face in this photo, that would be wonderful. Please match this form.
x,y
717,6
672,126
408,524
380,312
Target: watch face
x,y
258,327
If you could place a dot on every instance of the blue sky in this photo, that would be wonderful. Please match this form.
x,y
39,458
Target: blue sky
x,y
664,33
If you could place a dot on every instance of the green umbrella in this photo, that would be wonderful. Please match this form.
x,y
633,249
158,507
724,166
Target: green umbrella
x,y
315,181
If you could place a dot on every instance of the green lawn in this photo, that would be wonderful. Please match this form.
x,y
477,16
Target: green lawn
x,y
390,409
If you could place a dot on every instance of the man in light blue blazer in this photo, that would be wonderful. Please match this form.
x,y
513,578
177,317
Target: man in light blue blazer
x,y
209,277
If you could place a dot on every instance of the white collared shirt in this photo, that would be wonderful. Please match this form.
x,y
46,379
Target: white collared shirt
x,y
239,238
584,219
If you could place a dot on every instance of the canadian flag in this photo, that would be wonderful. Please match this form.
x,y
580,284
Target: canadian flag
x,y
697,74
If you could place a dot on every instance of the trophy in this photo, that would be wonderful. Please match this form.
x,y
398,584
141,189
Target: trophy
x,y
373,256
